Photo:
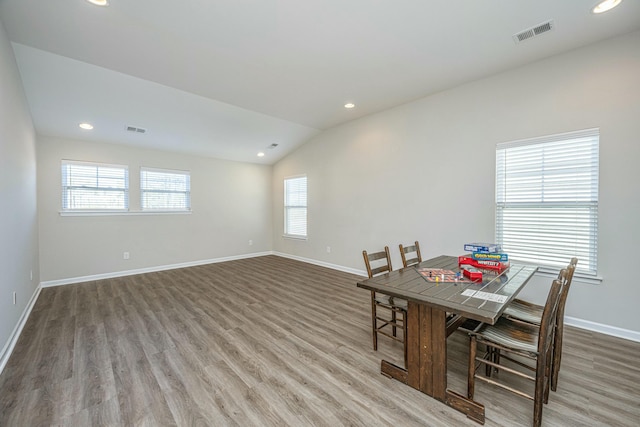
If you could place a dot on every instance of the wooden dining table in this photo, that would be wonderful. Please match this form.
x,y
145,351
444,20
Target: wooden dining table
x,y
429,300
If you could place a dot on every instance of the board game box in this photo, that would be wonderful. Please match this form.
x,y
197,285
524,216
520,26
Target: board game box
x,y
497,266
482,247
486,256
472,273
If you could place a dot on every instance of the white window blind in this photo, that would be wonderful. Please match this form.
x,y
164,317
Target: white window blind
x,y
295,206
94,186
547,199
165,190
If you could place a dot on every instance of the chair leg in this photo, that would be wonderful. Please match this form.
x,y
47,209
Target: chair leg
x,y
557,356
547,374
496,359
490,356
539,389
472,367
493,355
393,320
374,321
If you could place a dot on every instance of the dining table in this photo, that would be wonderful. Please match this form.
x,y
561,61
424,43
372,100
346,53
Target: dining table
x,y
438,305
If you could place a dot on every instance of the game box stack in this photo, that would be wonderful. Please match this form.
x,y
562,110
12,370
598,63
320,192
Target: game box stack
x,y
486,256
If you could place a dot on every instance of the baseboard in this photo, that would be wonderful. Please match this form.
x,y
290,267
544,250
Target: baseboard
x,y
323,264
603,329
13,338
93,277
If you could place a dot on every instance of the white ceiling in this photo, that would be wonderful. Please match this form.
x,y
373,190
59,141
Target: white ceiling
x,y
228,78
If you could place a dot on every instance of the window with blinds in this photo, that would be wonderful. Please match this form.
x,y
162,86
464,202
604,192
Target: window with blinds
x,y
94,187
295,206
165,190
547,199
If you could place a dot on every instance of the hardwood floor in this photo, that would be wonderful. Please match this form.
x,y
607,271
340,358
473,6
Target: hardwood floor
x,y
263,342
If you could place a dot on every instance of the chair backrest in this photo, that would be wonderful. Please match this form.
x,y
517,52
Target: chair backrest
x,y
381,259
573,263
406,251
550,311
571,268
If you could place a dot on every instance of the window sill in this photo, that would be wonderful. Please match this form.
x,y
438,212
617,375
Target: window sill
x,y
577,276
293,237
119,213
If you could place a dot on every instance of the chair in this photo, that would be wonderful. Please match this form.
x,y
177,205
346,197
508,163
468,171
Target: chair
x,y
524,311
406,250
518,339
396,307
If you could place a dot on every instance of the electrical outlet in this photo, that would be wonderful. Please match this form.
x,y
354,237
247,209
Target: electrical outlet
x,y
125,255
328,249
250,242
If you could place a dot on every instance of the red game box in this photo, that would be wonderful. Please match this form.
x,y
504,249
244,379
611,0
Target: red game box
x,y
497,266
472,273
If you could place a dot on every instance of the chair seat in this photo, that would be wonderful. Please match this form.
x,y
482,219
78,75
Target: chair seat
x,y
507,333
527,312
391,301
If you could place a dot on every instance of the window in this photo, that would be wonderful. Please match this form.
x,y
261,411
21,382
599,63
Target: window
x,y
165,190
547,199
94,186
295,206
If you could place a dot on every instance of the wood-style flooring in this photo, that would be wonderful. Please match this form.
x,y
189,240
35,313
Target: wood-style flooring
x,y
265,341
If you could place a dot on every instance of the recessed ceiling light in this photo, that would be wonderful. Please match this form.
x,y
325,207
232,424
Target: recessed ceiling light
x,y
261,154
86,126
349,105
99,2
605,5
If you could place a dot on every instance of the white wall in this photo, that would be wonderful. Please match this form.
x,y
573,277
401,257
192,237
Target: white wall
x,y
18,213
231,204
426,170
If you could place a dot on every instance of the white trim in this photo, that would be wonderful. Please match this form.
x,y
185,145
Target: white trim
x,y
172,171
302,175
93,164
323,264
294,237
112,213
102,276
585,133
13,338
613,331
551,273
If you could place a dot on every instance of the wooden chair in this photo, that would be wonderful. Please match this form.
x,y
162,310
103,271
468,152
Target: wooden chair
x,y
405,252
396,308
524,311
518,339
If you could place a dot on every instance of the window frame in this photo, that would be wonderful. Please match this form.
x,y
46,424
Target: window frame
x,y
581,199
66,187
144,191
290,207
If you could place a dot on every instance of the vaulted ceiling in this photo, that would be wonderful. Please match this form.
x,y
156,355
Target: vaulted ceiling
x,y
229,78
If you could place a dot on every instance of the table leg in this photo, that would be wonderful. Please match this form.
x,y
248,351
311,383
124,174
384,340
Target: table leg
x,y
426,368
427,350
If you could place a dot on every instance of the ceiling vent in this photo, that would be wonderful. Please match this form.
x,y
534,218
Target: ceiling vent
x,y
135,129
533,32
272,146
